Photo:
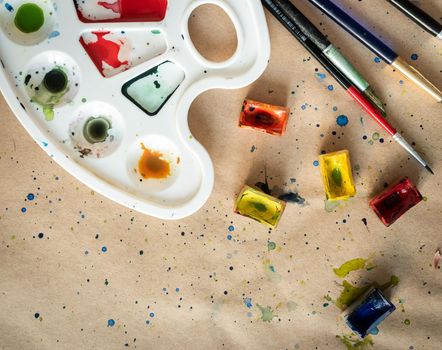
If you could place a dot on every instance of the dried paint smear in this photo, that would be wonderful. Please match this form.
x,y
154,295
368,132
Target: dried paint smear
x,y
152,165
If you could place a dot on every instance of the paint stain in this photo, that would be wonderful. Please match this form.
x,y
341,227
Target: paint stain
x,y
377,60
267,314
9,7
407,322
349,266
105,53
316,163
353,343
365,222
350,293
111,323
271,246
320,76
330,88
152,166
342,120
248,302
114,7
414,56
270,272
292,198
29,18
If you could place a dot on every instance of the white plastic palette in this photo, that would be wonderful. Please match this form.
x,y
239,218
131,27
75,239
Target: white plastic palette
x,y
115,117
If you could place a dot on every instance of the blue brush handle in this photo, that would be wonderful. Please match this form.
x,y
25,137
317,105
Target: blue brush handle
x,y
357,30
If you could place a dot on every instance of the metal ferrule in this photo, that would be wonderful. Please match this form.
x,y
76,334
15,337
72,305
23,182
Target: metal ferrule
x,y
416,77
401,141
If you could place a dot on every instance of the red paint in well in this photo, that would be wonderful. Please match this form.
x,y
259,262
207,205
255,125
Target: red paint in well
x,y
104,51
134,10
395,201
264,117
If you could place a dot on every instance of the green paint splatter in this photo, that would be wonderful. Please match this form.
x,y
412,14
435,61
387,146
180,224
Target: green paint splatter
x,y
351,293
29,18
271,246
349,266
267,314
353,343
330,206
407,322
270,271
376,136
337,177
155,31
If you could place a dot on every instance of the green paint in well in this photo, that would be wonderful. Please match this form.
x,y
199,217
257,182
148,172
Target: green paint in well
x,y
349,266
353,343
29,18
337,177
267,314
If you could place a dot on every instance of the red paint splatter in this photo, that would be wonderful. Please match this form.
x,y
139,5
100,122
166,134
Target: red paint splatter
x,y
104,51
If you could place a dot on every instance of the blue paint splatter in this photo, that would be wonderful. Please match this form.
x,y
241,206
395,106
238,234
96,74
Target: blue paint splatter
x,y
151,314
330,87
9,7
303,107
104,249
248,302
110,323
229,237
414,56
249,314
30,196
177,290
377,60
320,76
342,120
54,34
335,108
401,82
316,163
231,228
23,210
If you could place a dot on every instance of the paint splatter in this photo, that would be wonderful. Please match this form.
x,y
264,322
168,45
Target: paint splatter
x,y
30,197
9,7
330,88
292,198
231,228
414,56
267,314
248,302
316,163
377,60
407,322
253,149
54,34
353,343
320,76
110,323
349,266
104,249
271,246
270,272
342,120
350,293
229,237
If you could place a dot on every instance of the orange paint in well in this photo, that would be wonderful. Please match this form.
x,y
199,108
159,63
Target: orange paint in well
x,y
152,166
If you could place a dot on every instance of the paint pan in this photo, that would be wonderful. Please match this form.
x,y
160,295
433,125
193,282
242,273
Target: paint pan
x,y
337,175
365,316
395,201
105,86
264,117
259,206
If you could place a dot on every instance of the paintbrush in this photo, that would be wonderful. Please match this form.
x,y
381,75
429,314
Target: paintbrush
x,y
377,46
342,79
419,16
332,53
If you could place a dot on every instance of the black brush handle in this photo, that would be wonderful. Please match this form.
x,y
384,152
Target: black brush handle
x,y
418,15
